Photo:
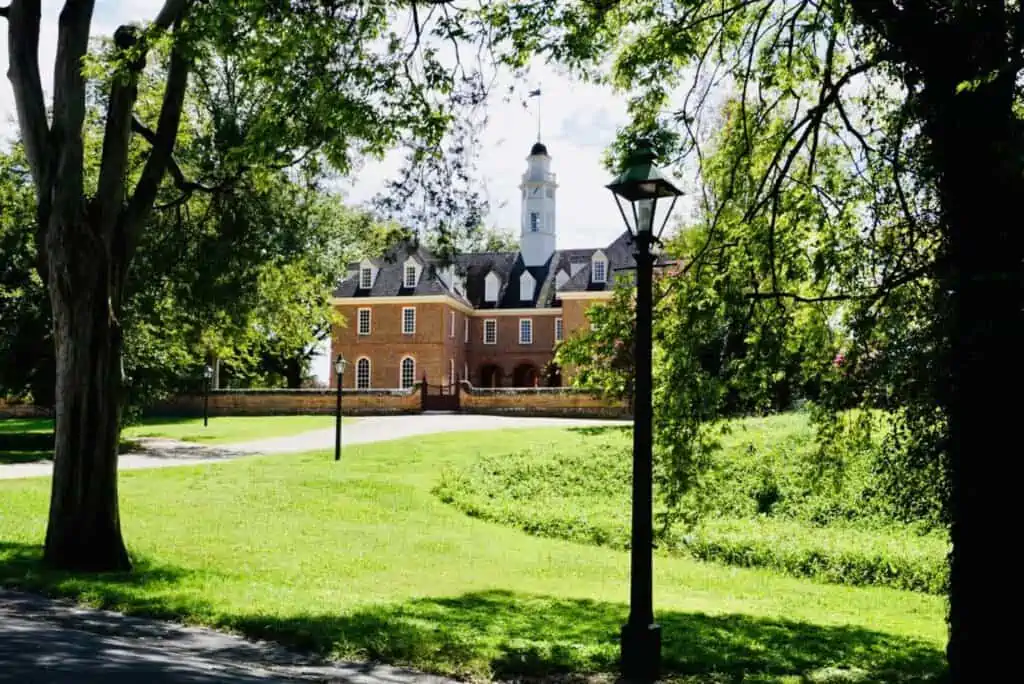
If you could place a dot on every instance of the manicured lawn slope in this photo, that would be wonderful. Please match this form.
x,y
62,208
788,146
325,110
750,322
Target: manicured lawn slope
x,y
810,524
359,559
23,440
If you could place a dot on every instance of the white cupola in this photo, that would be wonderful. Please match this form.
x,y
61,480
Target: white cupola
x,y
537,238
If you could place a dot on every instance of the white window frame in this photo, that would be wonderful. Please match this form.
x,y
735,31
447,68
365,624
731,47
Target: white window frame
x,y
534,221
359,321
491,323
559,330
406,330
492,287
451,371
604,271
365,277
527,284
369,373
465,329
406,270
451,324
528,338
401,372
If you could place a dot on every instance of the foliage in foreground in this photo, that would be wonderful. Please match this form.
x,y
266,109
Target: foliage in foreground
x,y
768,500
363,562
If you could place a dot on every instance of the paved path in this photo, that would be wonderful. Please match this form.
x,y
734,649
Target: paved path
x,y
163,453
44,641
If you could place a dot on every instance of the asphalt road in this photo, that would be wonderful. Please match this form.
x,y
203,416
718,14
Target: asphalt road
x,y
43,641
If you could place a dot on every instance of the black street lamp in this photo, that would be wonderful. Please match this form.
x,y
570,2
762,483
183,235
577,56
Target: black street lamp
x,y
208,376
339,370
644,190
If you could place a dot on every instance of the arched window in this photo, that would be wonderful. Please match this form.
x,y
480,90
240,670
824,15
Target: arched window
x,y
363,373
408,372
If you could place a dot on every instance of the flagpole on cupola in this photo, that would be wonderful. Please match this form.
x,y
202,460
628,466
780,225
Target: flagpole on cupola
x,y
536,94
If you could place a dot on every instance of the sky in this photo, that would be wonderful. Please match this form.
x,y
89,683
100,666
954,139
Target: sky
x,y
578,121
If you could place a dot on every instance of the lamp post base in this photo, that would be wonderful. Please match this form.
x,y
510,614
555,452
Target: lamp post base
x,y
641,652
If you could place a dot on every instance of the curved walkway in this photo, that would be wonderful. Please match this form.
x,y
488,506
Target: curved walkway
x,y
164,453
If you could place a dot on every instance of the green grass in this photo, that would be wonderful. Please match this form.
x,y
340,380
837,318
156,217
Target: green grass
x,y
580,491
26,440
361,560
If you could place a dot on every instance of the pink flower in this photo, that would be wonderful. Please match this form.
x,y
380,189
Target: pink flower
x,y
839,360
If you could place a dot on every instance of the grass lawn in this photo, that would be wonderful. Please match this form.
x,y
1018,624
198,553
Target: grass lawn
x,y
360,560
818,523
24,440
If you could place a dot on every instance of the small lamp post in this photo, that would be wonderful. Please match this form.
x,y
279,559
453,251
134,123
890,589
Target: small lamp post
x,y
339,370
208,377
642,192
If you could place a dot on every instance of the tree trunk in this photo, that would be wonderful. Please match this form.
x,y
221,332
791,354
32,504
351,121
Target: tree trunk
x,y
84,529
977,150
293,372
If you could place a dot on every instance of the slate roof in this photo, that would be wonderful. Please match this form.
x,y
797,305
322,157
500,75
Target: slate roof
x,y
475,267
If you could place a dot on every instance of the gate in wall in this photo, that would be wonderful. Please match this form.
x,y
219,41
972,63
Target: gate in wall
x,y
439,397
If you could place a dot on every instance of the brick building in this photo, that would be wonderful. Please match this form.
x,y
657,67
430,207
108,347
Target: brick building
x,y
491,318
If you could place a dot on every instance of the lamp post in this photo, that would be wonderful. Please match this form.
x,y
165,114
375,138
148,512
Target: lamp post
x,y
208,377
339,370
643,189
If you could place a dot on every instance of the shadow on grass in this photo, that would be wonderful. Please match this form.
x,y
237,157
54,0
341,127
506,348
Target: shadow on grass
x,y
504,634
30,447
25,447
595,430
21,567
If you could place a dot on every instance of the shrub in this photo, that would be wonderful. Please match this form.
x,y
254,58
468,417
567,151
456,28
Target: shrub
x,y
893,557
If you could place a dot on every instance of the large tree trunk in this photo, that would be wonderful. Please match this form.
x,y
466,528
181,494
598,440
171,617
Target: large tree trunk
x,y
84,530
977,150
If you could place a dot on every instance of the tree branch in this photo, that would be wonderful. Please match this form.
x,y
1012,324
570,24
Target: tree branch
x,y
69,106
881,291
117,135
23,58
160,156
172,11
182,183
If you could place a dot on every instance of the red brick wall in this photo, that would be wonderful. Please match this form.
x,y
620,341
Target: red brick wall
x,y
507,353
436,350
574,320
545,401
386,345
566,402
9,409
281,402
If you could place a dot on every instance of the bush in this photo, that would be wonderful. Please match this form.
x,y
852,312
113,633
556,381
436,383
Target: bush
x,y
771,499
891,557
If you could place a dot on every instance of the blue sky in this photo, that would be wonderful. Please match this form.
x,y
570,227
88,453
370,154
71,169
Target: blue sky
x,y
579,121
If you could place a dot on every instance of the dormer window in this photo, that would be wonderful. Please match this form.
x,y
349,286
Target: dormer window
x,y
526,283
599,269
365,277
491,285
561,279
410,274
